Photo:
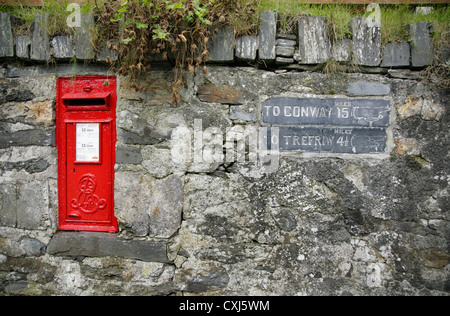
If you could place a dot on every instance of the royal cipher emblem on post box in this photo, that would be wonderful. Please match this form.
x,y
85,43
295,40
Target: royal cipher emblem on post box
x,y
86,138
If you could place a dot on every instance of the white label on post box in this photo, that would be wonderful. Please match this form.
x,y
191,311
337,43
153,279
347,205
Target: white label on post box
x,y
88,142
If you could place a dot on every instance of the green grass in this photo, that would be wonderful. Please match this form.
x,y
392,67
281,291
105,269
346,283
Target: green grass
x,y
395,21
57,21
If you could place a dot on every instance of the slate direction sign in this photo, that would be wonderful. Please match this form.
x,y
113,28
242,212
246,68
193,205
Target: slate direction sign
x,y
331,139
328,125
334,112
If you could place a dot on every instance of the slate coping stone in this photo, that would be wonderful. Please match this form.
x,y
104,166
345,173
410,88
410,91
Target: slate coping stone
x,y
422,44
83,38
246,47
268,35
366,41
221,48
396,55
23,46
6,36
40,43
93,244
63,47
314,41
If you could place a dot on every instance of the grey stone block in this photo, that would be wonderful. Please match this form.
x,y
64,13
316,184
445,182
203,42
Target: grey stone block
x,y
191,281
396,55
84,48
8,205
74,244
32,247
342,50
16,72
366,41
282,42
422,44
32,205
40,44
31,166
147,137
34,137
314,42
284,60
6,36
246,47
132,196
287,36
221,48
63,47
238,114
268,35
16,287
128,155
23,46
404,74
69,69
285,51
165,207
368,88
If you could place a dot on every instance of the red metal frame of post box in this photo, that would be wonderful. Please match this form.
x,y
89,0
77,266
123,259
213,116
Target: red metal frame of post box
x,y
86,139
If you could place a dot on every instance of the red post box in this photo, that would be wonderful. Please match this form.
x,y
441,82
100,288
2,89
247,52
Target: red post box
x,y
86,138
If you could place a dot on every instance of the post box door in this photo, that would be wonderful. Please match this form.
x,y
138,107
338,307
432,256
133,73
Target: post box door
x,y
86,153
89,181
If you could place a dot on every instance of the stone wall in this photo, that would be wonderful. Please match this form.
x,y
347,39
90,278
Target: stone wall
x,y
317,224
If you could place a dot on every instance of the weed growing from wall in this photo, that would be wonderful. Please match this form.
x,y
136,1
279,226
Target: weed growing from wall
x,y
175,30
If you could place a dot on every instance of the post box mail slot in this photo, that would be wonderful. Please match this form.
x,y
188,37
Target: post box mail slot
x,y
87,101
86,137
